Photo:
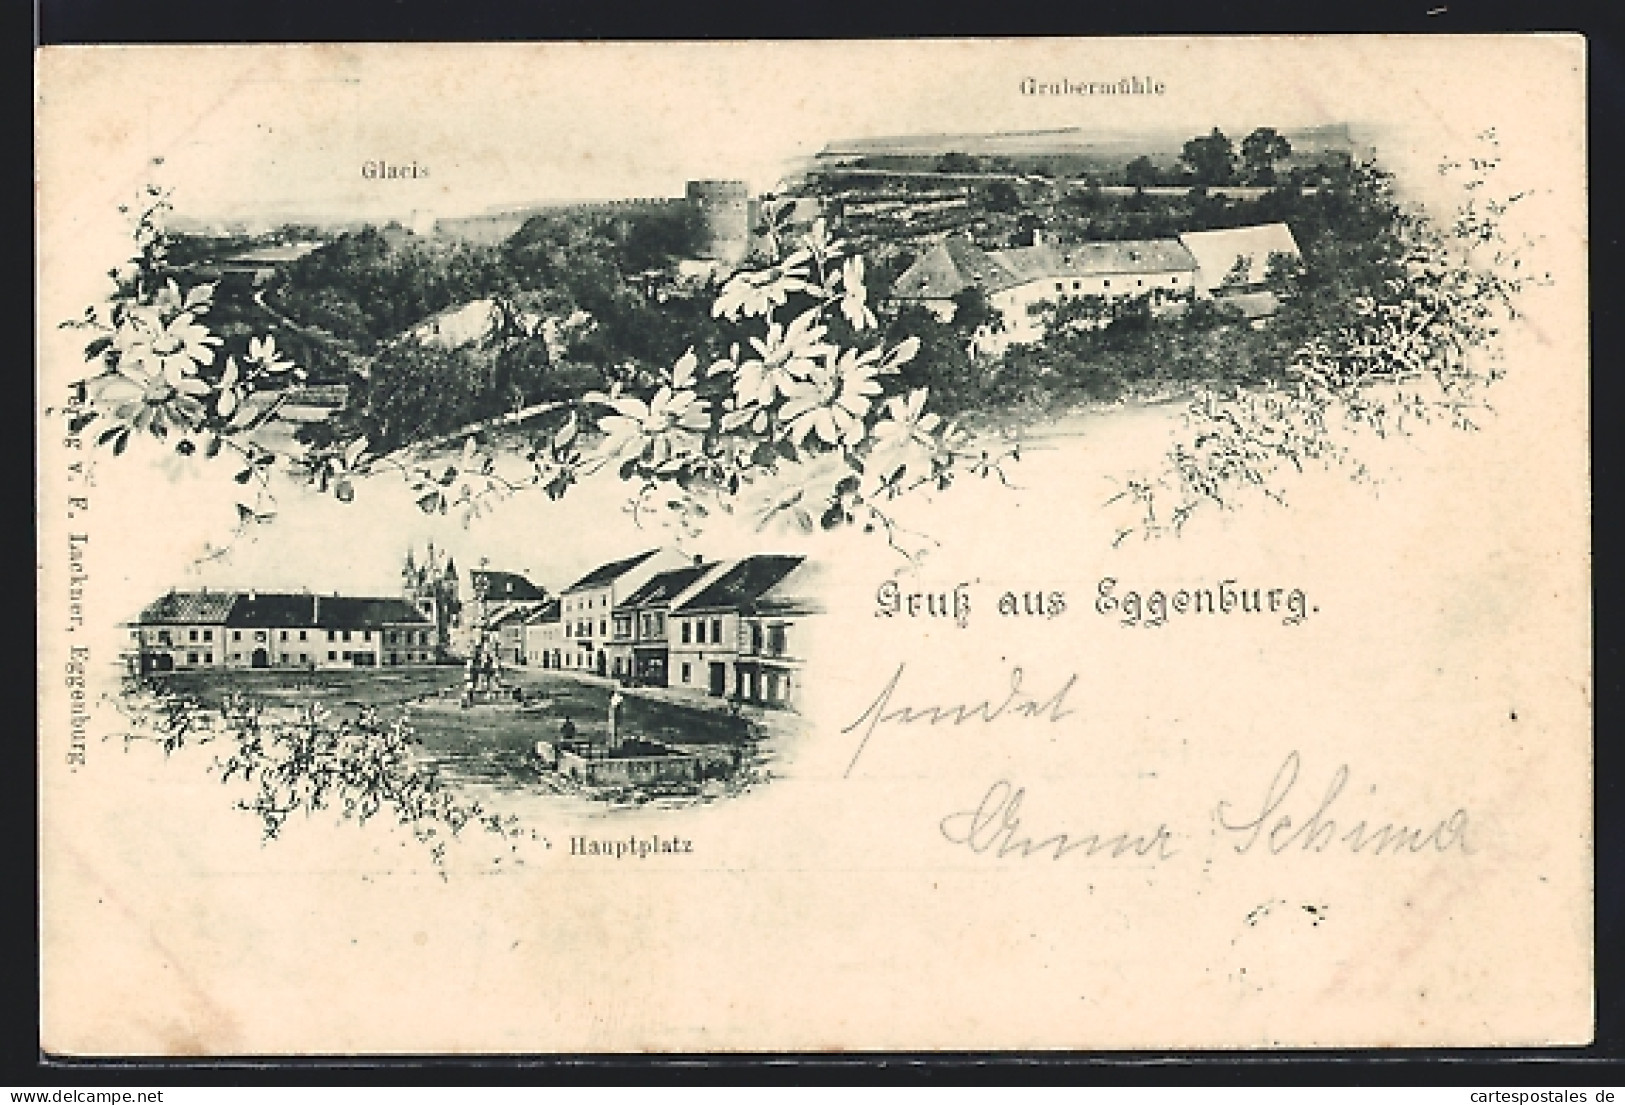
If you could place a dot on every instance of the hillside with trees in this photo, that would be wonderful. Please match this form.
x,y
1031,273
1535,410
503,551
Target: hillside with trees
x,y
611,275
584,299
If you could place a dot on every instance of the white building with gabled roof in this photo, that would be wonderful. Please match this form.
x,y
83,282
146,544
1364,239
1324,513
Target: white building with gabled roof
x,y
1020,282
585,605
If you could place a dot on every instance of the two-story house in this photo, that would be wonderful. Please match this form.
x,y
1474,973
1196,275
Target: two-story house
x,y
585,606
1021,282
257,629
544,636
718,634
497,599
773,636
638,649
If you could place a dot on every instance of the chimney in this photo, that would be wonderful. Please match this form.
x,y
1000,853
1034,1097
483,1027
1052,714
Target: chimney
x,y
252,594
1038,237
698,560
316,609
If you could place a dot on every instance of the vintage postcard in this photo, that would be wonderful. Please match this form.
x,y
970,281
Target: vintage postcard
x,y
907,545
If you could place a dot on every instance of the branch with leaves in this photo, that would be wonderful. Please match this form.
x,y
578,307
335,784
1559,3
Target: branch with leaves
x,y
802,423
307,760
1421,348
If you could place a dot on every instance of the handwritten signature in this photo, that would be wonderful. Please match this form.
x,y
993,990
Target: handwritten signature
x,y
1018,704
995,825
1319,831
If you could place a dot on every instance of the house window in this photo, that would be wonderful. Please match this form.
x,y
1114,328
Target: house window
x,y
756,637
687,632
163,637
660,624
1077,285
191,657
283,636
236,634
716,631
208,634
1139,283
301,634
775,640
348,655
603,628
332,656
192,636
303,657
688,671
366,634
236,657
331,635
1060,285
208,657
282,658
1105,283
346,634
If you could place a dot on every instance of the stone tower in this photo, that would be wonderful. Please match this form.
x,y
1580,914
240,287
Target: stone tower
x,y
724,207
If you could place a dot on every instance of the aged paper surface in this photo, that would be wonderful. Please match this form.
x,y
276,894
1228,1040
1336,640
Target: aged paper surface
x,y
1088,722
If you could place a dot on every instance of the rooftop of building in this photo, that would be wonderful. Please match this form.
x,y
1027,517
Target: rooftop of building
x,y
506,586
605,574
957,263
666,586
545,612
743,584
1217,252
281,610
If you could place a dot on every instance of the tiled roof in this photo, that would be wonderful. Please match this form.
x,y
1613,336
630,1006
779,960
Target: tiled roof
x,y
796,593
741,585
513,615
505,585
1217,251
261,609
1046,261
948,268
666,586
607,573
546,612
956,263
189,607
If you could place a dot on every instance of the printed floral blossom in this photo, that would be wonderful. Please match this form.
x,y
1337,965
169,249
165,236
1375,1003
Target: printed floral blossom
x,y
797,491
784,357
833,401
854,300
758,293
264,353
173,350
905,438
146,399
657,431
